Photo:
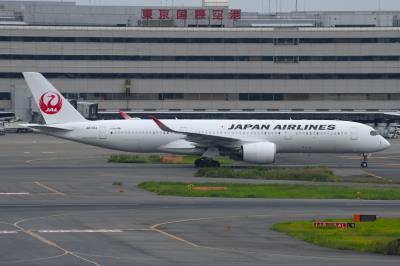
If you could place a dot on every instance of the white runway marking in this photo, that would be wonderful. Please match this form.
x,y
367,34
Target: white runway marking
x,y
13,193
5,232
50,189
66,231
156,228
82,231
50,243
27,152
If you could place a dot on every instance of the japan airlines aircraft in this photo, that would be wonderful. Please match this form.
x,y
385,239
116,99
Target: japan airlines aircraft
x,y
253,141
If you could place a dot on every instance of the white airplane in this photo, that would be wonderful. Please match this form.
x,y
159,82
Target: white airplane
x,y
253,141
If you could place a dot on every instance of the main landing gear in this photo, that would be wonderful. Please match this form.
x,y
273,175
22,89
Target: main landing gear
x,y
364,163
206,162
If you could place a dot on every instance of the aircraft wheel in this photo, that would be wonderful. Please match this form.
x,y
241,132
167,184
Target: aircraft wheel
x,y
199,163
364,164
204,162
215,164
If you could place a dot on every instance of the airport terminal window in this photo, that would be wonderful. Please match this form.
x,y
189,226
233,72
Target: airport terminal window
x,y
5,96
286,59
131,40
206,96
167,58
264,76
227,97
394,96
348,40
170,96
296,97
286,41
260,96
378,96
350,58
276,41
114,96
133,58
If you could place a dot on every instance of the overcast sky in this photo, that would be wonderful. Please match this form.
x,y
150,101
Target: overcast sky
x,y
265,5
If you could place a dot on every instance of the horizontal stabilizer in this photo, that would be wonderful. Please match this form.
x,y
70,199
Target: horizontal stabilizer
x,y
46,128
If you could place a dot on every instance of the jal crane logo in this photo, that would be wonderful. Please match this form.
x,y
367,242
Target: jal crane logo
x,y
50,103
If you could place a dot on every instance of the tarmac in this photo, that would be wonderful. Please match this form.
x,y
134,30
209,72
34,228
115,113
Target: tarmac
x,y
58,206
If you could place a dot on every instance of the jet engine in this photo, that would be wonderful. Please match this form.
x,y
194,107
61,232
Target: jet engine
x,y
259,152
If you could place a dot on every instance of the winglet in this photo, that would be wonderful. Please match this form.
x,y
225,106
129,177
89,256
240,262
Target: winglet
x,y
124,115
160,124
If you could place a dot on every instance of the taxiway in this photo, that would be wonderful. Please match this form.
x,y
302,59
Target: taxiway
x,y
58,207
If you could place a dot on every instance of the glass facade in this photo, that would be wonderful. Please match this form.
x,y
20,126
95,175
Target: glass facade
x,y
194,58
5,96
275,41
209,69
237,96
261,76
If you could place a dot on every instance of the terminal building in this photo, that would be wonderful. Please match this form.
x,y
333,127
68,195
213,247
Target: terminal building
x,y
206,61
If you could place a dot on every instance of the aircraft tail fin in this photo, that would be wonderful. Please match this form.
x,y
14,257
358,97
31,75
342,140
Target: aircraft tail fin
x,y
54,108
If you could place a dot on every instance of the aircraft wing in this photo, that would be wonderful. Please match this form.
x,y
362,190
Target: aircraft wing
x,y
201,140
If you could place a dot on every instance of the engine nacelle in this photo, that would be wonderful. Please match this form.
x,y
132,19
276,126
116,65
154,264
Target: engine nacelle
x,y
259,152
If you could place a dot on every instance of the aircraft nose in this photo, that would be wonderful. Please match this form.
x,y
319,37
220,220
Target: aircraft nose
x,y
385,143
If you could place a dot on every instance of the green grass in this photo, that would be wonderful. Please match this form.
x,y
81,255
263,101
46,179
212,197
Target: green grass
x,y
127,158
321,174
277,191
378,237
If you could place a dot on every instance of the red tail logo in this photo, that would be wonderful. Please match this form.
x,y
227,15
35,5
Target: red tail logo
x,y
50,103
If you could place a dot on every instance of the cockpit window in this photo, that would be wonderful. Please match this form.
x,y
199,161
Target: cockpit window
x,y
373,133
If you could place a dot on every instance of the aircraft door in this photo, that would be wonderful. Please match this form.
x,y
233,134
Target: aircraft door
x,y
353,133
102,132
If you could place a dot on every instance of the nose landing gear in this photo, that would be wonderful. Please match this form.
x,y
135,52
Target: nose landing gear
x,y
364,163
206,162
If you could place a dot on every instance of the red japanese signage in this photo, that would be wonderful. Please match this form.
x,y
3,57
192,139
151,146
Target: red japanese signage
x,y
235,14
197,14
181,14
218,14
200,14
341,225
147,13
164,14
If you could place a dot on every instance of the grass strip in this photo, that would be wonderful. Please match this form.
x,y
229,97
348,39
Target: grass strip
x,y
127,158
320,174
382,236
277,191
